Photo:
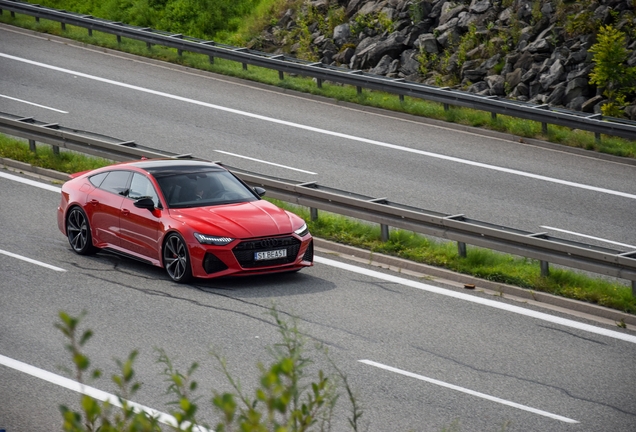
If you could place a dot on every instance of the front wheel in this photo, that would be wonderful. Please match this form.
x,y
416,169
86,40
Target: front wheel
x,y
176,259
78,231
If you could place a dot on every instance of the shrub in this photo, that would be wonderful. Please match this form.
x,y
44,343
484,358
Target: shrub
x,y
610,69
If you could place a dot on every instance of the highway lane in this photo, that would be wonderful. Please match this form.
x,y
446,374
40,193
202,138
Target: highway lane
x,y
557,369
356,158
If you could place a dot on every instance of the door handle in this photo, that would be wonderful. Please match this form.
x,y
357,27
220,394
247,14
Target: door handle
x,y
125,212
94,202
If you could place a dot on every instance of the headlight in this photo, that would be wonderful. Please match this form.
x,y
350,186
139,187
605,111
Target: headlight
x,y
213,240
302,231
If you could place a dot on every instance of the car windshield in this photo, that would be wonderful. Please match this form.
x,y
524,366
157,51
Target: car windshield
x,y
200,189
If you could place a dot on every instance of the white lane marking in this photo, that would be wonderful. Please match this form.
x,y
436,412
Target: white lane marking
x,y
474,299
264,162
470,392
34,104
32,261
88,390
589,236
326,132
30,182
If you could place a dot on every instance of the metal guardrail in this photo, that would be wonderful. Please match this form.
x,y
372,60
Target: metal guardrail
x,y
458,228
285,64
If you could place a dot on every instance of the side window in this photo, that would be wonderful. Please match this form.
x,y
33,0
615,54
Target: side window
x,y
97,179
141,187
116,182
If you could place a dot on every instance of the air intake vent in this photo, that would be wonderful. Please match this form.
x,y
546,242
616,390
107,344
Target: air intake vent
x,y
211,264
309,253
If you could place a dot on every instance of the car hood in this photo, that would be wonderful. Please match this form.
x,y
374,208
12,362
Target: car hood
x,y
241,220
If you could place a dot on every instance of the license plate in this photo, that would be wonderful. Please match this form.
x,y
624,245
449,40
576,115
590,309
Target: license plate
x,y
270,255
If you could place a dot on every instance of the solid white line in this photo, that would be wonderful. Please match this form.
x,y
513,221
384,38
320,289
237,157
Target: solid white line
x,y
589,236
87,390
470,392
34,104
474,299
30,182
326,132
264,162
32,261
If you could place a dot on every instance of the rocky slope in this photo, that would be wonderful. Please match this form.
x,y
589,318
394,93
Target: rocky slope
x,y
534,51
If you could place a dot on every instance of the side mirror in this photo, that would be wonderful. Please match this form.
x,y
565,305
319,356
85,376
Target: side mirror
x,y
145,203
259,191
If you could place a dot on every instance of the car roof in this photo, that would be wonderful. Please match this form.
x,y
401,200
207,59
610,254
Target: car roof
x,y
167,167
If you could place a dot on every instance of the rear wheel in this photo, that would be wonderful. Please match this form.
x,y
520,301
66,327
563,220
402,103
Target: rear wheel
x,y
176,259
78,231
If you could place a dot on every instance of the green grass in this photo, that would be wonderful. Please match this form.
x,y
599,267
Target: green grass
x,y
482,263
465,116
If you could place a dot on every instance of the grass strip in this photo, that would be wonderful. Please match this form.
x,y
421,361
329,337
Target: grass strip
x,y
464,116
481,263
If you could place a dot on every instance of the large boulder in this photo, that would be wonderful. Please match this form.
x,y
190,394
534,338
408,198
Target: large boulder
x,y
554,74
391,46
427,43
479,6
409,63
576,88
341,34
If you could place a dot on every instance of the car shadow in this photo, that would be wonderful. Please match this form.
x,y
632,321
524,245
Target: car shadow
x,y
263,286
257,286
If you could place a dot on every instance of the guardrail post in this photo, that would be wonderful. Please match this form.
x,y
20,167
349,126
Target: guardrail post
x,y
384,232
32,145
319,82
545,268
37,19
597,137
401,98
359,90
633,288
63,26
148,45
90,32
56,150
118,39
446,107
461,249
281,75
313,213
544,128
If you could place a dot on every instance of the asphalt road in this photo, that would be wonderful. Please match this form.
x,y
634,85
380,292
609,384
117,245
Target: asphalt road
x,y
510,368
541,372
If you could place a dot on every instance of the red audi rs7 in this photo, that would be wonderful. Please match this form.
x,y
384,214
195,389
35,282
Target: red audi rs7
x,y
193,218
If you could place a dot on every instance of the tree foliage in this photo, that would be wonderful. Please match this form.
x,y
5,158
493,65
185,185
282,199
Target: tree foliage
x,y
611,71
286,400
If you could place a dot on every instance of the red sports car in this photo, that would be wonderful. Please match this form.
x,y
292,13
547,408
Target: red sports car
x,y
193,218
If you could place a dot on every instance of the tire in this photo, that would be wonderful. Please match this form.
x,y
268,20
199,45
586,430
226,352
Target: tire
x,y
176,259
78,231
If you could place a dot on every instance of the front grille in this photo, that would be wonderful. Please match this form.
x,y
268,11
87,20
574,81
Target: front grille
x,y
244,251
211,264
309,253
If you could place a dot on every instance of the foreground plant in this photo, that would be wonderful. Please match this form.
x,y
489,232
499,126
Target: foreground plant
x,y
96,416
287,398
